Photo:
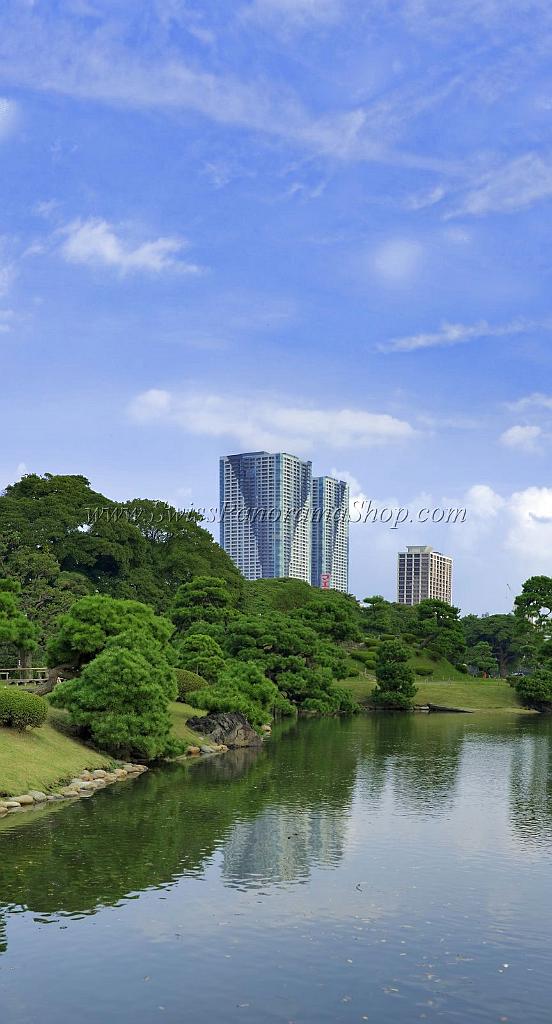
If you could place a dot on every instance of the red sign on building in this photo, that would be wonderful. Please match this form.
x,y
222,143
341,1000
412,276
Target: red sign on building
x,y
325,578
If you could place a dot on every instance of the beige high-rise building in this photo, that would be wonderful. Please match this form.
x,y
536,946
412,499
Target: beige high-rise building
x,y
423,573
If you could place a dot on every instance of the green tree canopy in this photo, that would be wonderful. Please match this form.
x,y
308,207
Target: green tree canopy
x,y
394,677
504,635
15,629
205,599
201,654
121,702
83,632
439,629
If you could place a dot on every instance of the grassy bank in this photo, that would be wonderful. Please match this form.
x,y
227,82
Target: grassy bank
x,y
179,715
41,758
472,694
44,758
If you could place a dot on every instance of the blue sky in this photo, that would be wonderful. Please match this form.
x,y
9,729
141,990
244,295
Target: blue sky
x,y
321,226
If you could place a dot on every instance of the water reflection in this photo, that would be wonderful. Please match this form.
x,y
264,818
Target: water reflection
x,y
276,815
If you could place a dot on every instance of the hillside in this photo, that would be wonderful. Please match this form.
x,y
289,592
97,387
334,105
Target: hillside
x,y
470,694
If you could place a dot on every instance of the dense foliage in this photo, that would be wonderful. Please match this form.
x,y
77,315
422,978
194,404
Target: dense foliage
x,y
17,634
21,710
394,677
244,687
62,540
186,682
124,676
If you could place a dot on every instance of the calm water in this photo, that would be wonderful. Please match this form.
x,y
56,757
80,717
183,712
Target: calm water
x,y
389,868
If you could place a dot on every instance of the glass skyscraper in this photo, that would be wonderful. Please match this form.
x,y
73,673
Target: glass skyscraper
x,y
266,511
276,521
330,534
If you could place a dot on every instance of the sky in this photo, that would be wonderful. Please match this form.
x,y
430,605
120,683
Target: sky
x,y
317,226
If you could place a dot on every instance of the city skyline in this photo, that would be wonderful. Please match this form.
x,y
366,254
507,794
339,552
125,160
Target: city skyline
x,y
277,520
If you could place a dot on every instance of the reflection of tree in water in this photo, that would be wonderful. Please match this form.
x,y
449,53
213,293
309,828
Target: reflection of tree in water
x,y
418,756
3,937
148,833
531,783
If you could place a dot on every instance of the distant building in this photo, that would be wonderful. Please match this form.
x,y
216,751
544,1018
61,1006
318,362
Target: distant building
x,y
266,511
330,534
423,573
277,521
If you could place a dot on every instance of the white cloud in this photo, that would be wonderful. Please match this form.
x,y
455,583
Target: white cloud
x,y
535,401
455,334
267,423
483,502
530,532
8,117
397,261
514,186
523,437
97,242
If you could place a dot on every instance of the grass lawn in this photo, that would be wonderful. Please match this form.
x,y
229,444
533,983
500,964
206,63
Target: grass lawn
x,y
43,758
472,694
179,715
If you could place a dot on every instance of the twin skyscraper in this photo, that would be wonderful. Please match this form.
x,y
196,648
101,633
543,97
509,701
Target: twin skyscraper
x,y
276,519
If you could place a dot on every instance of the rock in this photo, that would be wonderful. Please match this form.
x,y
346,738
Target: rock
x,y
38,797
207,750
99,773
25,800
11,803
70,791
266,728
193,751
119,773
230,728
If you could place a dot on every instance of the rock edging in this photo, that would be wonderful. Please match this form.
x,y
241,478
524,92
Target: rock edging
x,y
83,785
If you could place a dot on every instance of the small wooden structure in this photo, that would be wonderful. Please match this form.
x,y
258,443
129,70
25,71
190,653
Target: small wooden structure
x,y
28,676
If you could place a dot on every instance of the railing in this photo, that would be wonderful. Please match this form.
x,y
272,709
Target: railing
x,y
23,676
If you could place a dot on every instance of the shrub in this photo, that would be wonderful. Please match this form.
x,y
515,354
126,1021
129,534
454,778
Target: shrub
x,y
188,681
243,687
20,709
200,653
121,701
535,691
424,670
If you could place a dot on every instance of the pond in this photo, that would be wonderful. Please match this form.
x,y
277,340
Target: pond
x,y
389,868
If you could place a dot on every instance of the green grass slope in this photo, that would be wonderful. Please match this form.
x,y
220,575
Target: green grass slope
x,y
43,758
468,693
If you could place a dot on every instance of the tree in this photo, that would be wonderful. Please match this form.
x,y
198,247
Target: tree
x,y
205,598
83,632
533,611
534,605
242,686
377,615
332,615
120,701
394,677
503,633
293,657
15,629
439,629
482,658
199,653
535,690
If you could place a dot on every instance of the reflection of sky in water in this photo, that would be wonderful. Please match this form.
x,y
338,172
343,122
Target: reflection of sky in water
x,y
393,869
